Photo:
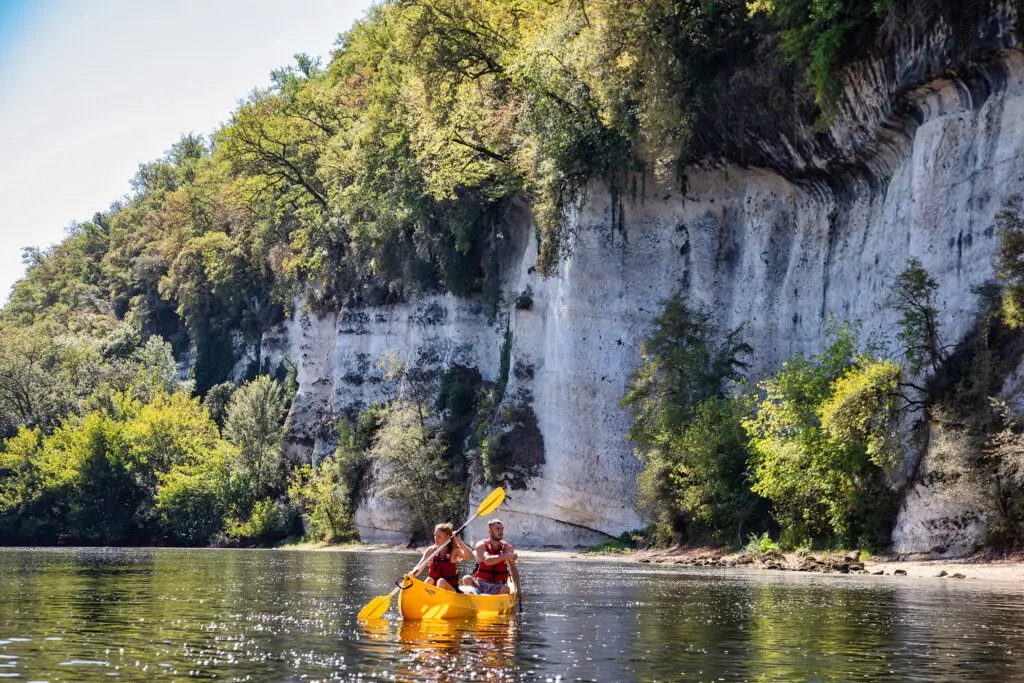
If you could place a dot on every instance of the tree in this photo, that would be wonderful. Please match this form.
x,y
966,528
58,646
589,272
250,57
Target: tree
x,y
823,438
45,373
412,468
195,497
1010,260
685,426
913,295
255,423
319,491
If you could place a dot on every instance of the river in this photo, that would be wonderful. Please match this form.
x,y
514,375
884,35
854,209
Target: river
x,y
279,615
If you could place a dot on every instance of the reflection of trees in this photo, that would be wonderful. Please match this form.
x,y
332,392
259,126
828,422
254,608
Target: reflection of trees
x,y
454,649
203,611
959,633
819,632
687,628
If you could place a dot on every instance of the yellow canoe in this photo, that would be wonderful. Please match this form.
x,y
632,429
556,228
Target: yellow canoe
x,y
421,601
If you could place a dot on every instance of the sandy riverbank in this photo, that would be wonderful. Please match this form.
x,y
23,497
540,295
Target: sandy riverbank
x,y
985,567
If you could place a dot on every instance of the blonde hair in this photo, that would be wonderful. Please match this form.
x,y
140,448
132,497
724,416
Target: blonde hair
x,y
447,528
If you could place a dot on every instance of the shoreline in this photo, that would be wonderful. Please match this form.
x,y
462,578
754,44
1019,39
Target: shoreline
x,y
983,567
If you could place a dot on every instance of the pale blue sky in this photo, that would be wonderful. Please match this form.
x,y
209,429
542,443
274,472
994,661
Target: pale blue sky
x,y
91,89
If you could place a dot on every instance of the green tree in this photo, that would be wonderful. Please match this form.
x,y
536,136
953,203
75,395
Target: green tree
x,y
412,468
685,426
193,498
913,295
45,373
823,439
322,494
1009,262
216,401
255,423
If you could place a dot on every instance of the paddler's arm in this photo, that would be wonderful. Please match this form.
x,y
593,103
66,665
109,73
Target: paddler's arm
x,y
423,561
510,553
462,551
484,558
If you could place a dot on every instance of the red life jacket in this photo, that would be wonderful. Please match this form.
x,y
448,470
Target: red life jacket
x,y
493,573
442,567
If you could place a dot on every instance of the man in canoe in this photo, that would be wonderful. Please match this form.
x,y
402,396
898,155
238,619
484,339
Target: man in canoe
x,y
493,557
444,572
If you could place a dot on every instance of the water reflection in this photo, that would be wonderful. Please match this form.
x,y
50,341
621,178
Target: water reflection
x,y
457,649
290,616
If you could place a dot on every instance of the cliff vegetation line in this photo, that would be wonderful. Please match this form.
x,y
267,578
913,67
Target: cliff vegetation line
x,y
383,175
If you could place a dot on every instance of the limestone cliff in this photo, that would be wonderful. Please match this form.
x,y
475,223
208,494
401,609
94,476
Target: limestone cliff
x,y
927,145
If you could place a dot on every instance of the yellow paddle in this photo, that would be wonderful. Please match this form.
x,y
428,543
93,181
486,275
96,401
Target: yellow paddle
x,y
380,604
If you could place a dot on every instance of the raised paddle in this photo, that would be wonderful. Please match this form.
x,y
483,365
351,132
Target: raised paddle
x,y
380,604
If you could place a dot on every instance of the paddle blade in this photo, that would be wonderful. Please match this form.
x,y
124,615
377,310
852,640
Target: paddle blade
x,y
375,609
491,502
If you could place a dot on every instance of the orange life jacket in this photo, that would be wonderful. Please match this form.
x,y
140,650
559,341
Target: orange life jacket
x,y
493,573
442,566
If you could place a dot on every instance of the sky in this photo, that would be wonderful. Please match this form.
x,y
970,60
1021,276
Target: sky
x,y
91,89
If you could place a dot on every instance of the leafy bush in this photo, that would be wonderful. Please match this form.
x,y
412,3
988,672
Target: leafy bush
x,y
194,497
823,438
761,545
626,543
324,499
269,522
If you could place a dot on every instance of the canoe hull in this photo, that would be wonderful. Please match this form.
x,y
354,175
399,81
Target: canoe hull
x,y
421,601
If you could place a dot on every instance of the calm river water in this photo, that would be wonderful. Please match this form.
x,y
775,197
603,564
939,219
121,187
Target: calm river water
x,y
265,615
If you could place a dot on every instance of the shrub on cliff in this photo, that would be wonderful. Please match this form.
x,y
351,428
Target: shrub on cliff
x,y
817,35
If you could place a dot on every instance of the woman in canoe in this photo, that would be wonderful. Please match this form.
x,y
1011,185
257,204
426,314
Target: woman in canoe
x,y
443,568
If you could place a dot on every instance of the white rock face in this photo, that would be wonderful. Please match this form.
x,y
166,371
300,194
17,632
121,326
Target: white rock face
x,y
948,511
760,251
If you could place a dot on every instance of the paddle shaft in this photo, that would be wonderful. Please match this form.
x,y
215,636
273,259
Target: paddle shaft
x,y
513,570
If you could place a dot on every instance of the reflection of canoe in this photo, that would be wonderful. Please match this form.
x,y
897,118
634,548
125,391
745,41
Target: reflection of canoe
x,y
420,601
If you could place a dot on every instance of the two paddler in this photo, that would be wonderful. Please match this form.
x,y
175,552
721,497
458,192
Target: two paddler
x,y
495,560
377,607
